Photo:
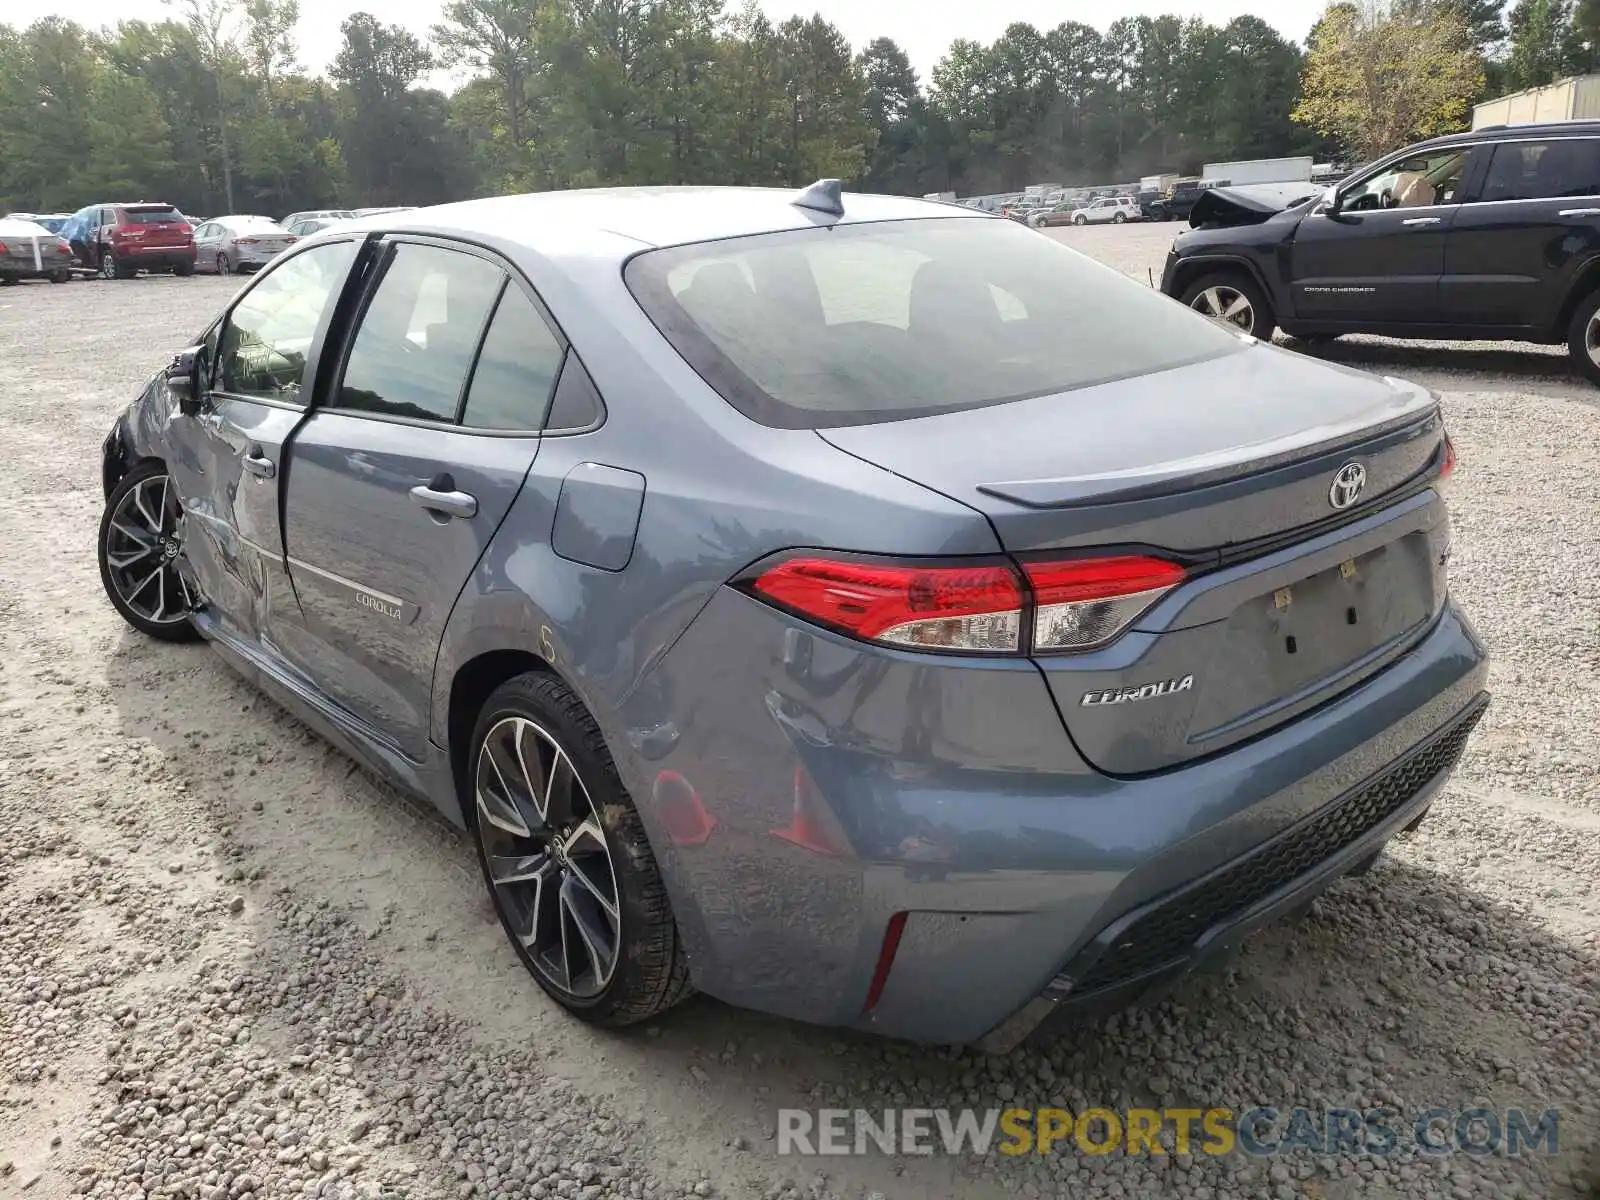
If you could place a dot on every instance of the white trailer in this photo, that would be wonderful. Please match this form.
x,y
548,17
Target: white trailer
x,y
1161,184
1574,99
1260,170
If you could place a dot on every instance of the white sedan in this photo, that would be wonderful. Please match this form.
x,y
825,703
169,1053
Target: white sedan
x,y
239,243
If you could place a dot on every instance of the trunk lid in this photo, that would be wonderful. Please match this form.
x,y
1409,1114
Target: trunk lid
x,y
1227,466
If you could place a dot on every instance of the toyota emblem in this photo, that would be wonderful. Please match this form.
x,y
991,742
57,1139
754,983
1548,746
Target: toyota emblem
x,y
1347,485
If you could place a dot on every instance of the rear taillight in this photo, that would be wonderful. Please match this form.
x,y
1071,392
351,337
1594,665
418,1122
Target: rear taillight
x,y
64,248
1050,607
1083,603
1449,465
972,609
3,248
244,241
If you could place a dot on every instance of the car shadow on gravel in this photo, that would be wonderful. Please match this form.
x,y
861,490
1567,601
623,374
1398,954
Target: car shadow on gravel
x,y
1403,988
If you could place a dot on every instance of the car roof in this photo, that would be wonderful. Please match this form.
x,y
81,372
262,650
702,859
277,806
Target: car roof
x,y
1574,128
649,216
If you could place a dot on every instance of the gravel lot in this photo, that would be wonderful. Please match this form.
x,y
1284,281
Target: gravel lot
x,y
234,966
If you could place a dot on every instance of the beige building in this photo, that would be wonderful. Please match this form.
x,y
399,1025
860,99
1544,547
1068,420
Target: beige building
x,y
1577,98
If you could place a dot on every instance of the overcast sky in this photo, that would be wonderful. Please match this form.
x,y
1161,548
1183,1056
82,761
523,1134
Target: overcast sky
x,y
924,27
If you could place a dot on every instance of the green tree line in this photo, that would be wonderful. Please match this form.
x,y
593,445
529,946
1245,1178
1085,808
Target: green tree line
x,y
211,108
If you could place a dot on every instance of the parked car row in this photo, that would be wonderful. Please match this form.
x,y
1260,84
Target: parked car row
x,y
118,240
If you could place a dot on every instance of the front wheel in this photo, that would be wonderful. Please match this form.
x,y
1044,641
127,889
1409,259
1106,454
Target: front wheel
x,y
1583,338
1232,299
565,858
1119,219
1080,220
141,548
224,267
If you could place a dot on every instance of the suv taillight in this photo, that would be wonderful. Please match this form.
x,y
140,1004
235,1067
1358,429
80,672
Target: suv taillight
x,y
1049,607
1449,465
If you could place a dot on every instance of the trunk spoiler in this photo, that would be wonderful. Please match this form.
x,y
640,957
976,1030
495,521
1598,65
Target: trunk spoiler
x,y
1412,405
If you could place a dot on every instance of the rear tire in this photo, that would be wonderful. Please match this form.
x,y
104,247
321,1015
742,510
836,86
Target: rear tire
x,y
183,270
550,877
141,538
1232,298
1119,219
1583,338
61,276
110,268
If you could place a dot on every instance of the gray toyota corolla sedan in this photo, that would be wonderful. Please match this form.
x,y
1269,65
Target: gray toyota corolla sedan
x,y
855,608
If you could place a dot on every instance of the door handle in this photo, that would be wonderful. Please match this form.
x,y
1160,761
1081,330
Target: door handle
x,y
259,464
1580,212
451,503
1416,222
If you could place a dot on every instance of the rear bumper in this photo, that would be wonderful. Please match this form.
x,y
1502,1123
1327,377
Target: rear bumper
x,y
800,790
1148,949
21,267
156,259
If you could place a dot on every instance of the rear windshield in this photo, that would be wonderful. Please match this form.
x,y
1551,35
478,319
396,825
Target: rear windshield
x,y
151,214
853,324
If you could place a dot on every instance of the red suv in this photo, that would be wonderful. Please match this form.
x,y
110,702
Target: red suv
x,y
119,239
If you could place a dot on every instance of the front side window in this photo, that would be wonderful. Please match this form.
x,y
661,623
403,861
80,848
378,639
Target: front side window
x,y
890,320
1415,182
418,334
516,368
1543,170
268,336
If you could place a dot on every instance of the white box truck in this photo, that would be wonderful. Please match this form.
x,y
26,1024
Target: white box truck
x,y
1573,99
1260,170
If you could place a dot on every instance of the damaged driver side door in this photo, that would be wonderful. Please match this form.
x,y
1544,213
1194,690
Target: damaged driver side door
x,y
257,367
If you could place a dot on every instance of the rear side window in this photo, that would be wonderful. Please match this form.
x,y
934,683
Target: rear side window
x,y
151,214
886,321
418,334
1543,170
516,369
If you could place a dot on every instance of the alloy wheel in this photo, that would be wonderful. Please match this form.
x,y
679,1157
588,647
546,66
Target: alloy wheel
x,y
1227,305
144,548
1591,339
547,857
108,266
223,266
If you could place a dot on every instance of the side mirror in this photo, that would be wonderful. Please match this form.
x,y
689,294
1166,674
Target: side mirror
x,y
183,380
1332,200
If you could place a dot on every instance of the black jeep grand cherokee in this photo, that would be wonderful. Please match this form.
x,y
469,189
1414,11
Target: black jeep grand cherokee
x,y
1493,234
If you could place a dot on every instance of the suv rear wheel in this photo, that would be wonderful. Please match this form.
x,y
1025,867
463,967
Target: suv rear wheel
x,y
1232,298
1583,337
110,268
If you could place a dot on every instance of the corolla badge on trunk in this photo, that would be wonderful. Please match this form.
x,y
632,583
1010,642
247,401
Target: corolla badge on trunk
x,y
1132,695
1348,483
